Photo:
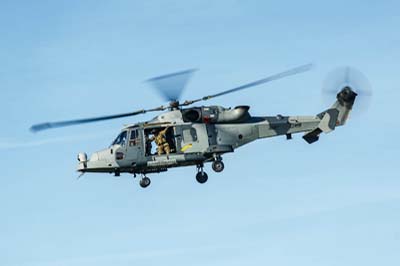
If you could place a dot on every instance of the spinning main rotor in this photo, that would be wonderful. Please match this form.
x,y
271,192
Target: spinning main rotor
x,y
171,87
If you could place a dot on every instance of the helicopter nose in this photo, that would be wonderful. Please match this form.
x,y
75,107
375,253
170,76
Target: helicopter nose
x,y
100,161
82,159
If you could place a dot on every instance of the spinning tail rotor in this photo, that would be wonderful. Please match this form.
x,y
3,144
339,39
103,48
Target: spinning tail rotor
x,y
348,77
349,86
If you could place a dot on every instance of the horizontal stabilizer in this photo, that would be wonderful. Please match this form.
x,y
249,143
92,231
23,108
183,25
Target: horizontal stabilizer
x,y
312,136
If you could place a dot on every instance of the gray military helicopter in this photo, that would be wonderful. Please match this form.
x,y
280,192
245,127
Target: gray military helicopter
x,y
202,134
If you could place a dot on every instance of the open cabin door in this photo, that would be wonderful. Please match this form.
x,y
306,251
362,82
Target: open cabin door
x,y
153,139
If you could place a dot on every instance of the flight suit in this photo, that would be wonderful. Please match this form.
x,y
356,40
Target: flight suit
x,y
161,141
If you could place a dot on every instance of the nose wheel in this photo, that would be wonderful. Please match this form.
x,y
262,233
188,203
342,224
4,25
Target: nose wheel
x,y
201,176
145,182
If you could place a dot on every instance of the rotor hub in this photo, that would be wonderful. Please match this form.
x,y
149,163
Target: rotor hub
x,y
174,105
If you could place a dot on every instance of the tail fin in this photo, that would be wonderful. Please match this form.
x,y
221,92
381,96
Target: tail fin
x,y
344,104
335,116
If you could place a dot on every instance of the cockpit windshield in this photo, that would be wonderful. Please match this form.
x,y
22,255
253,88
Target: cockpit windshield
x,y
120,139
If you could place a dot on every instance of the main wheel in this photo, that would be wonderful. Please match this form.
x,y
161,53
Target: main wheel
x,y
201,177
145,182
218,166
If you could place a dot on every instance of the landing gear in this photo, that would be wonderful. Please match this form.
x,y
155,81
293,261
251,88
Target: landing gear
x,y
145,182
218,166
117,172
201,176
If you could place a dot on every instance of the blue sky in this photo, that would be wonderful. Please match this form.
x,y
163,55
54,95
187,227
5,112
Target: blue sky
x,y
335,202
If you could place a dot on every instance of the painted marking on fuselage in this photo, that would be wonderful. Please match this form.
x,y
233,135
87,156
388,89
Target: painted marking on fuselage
x,y
162,163
187,146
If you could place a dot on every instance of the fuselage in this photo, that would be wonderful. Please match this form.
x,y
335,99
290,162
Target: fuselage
x,y
196,135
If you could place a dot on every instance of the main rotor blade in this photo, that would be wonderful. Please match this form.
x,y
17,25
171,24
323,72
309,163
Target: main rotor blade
x,y
290,72
50,125
171,86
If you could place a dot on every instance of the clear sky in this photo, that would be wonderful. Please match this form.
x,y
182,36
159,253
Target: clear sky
x,y
278,202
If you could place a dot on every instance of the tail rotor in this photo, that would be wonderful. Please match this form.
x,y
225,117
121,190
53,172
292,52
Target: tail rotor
x,y
345,78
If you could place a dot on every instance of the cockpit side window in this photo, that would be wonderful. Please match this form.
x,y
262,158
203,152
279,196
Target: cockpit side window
x,y
134,138
121,139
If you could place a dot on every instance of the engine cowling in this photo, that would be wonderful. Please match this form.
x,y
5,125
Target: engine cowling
x,y
237,114
216,114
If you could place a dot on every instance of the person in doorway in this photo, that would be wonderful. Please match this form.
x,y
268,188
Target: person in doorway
x,y
161,141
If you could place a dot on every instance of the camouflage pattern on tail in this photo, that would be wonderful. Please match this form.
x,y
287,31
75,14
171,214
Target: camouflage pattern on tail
x,y
335,116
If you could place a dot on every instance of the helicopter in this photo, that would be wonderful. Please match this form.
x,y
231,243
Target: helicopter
x,y
196,135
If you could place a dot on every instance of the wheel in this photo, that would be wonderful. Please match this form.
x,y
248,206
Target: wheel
x,y
201,177
145,182
218,166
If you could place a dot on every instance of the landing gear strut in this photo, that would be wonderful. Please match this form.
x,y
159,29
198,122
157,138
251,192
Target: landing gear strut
x,y
145,182
201,176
